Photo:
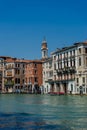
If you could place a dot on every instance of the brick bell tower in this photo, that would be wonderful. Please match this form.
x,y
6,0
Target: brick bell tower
x,y
44,49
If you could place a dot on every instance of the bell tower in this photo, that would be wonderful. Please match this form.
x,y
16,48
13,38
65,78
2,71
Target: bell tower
x,y
44,49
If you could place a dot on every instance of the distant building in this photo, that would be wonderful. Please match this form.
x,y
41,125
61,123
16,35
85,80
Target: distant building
x,y
19,75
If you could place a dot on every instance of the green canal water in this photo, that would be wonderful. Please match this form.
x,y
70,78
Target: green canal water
x,y
42,112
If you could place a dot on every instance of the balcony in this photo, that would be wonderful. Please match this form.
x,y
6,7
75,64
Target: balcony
x,y
9,83
72,70
9,67
65,71
59,72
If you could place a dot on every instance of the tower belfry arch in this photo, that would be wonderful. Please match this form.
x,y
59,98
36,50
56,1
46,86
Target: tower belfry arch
x,y
44,48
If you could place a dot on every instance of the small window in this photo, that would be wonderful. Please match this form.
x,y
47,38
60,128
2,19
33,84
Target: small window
x,y
35,79
74,63
54,57
86,61
18,71
23,65
79,50
71,87
18,65
83,89
74,52
77,80
35,65
67,54
71,63
85,50
35,72
70,53
15,65
54,66
79,61
58,56
83,79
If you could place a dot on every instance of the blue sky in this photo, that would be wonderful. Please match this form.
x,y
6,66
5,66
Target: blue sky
x,y
24,23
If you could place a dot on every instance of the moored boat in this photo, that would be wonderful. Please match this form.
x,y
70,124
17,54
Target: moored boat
x,y
56,93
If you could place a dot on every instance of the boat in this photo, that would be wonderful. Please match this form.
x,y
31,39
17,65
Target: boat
x,y
56,93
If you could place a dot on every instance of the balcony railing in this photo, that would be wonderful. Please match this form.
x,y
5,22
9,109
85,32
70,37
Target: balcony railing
x,y
9,83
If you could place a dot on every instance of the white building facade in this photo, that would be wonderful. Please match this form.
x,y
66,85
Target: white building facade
x,y
68,71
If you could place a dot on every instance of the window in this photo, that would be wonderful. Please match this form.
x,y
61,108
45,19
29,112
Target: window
x,y
79,50
35,72
44,53
74,63
71,63
58,56
35,65
18,65
15,65
85,50
70,53
61,64
77,80
83,79
18,71
64,63
26,80
67,63
15,71
58,65
71,87
35,79
83,89
79,61
67,54
54,57
86,61
74,52
50,73
17,80
23,65
64,55
54,66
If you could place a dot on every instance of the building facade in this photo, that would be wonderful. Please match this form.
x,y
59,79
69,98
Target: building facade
x,y
64,71
20,75
33,75
68,71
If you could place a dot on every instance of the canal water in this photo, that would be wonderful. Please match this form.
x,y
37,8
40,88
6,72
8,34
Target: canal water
x,y
42,112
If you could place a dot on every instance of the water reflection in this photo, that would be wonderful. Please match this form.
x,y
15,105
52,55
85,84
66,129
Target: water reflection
x,y
42,112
